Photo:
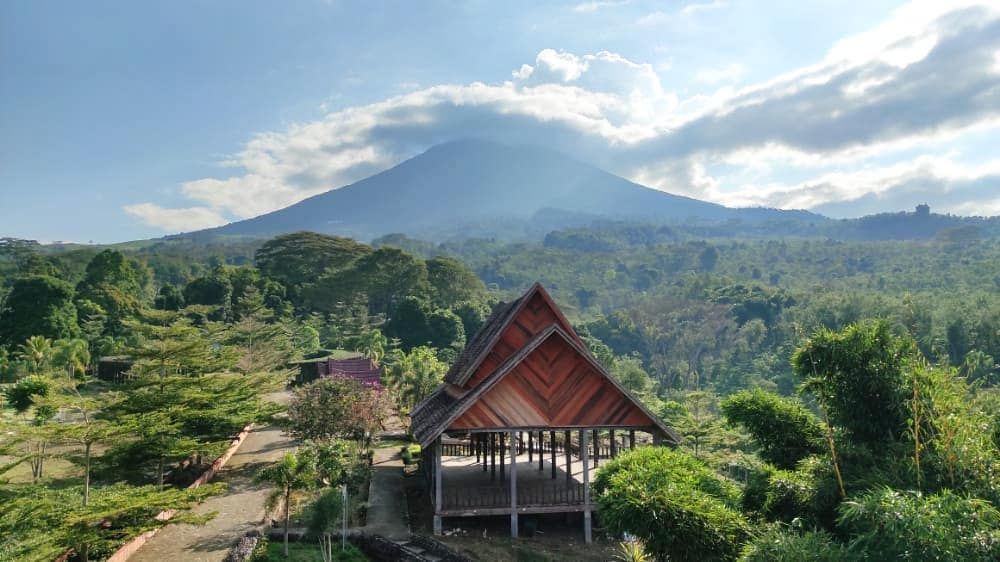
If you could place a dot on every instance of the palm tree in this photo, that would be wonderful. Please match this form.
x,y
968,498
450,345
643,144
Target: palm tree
x,y
293,472
372,344
415,375
74,354
36,352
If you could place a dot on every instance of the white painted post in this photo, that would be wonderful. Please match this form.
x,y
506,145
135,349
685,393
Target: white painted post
x,y
586,486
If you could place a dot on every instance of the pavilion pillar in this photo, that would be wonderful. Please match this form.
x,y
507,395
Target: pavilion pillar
x,y
657,439
531,446
482,448
541,449
475,445
614,445
502,453
631,439
493,456
552,441
597,448
586,486
513,486
437,486
569,458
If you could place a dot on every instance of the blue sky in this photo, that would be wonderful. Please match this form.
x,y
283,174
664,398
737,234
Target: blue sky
x,y
126,120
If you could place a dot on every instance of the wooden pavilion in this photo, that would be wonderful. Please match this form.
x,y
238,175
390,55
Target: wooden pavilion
x,y
525,391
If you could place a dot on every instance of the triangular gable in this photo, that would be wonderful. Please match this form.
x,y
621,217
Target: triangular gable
x,y
532,314
554,384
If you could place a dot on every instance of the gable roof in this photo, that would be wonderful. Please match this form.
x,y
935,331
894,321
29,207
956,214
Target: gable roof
x,y
450,401
493,329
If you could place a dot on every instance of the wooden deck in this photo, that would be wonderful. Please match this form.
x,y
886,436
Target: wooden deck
x,y
468,491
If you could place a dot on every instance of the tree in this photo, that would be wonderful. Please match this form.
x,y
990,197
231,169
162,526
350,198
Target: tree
x,y
326,514
332,408
37,306
303,257
117,284
178,346
372,344
290,474
169,297
36,353
630,373
263,344
72,355
785,431
671,501
415,375
452,282
858,376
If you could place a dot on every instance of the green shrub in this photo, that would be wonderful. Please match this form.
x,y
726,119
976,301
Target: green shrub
x,y
779,544
673,502
888,524
783,428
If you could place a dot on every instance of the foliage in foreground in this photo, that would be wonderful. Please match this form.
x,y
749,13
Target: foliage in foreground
x,y
673,502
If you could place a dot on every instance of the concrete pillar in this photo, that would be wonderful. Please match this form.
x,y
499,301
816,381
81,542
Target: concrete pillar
x,y
586,487
513,486
597,448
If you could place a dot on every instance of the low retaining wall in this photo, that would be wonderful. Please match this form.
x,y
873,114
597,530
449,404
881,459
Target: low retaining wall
x,y
129,548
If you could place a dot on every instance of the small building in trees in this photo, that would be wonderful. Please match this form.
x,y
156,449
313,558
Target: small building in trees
x,y
114,368
523,417
353,366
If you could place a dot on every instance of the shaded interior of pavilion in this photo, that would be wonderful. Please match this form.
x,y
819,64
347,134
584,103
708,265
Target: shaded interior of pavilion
x,y
523,472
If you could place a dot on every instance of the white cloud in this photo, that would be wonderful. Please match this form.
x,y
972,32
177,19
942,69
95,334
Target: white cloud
x,y
692,9
875,94
176,220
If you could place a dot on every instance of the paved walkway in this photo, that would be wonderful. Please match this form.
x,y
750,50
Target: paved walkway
x,y
387,512
239,509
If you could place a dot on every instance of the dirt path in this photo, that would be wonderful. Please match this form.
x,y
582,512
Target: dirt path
x,y
240,509
386,496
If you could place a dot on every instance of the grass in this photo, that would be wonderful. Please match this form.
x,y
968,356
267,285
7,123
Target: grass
x,y
309,552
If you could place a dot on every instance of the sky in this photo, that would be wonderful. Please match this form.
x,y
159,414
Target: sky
x,y
129,120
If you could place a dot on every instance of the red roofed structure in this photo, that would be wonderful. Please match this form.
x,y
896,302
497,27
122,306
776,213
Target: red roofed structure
x,y
525,385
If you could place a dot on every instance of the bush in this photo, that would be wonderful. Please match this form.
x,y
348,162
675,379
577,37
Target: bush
x,y
673,502
779,544
808,493
784,429
890,525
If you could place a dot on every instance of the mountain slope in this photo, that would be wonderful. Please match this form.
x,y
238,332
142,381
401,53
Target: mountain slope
x,y
483,186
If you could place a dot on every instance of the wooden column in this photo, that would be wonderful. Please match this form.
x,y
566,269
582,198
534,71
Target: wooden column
x,y
586,486
513,486
531,446
657,438
541,449
614,446
475,445
569,457
503,452
631,439
597,448
482,448
437,486
493,456
552,441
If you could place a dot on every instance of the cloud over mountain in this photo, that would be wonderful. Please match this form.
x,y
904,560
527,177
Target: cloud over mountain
x,y
907,104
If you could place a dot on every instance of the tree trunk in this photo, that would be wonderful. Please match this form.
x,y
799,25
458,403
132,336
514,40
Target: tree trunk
x,y
86,474
288,511
160,472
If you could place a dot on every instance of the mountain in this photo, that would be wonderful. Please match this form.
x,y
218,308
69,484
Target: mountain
x,y
475,187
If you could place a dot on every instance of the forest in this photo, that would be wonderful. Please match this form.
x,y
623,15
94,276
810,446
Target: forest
x,y
837,398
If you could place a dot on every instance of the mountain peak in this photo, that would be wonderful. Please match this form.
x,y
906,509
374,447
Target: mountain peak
x,y
477,184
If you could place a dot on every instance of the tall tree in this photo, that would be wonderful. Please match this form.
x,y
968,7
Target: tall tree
x,y
38,306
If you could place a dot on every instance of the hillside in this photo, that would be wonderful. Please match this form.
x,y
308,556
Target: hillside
x,y
485,188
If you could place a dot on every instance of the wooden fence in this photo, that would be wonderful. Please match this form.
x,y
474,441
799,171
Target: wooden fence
x,y
499,496
467,448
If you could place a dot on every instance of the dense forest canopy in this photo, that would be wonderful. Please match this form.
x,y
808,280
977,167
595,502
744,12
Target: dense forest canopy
x,y
816,381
